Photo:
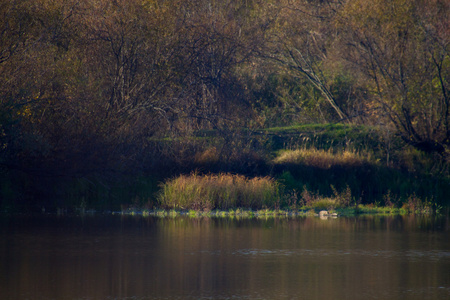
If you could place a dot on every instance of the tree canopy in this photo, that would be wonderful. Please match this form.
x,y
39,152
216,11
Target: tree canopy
x,y
88,85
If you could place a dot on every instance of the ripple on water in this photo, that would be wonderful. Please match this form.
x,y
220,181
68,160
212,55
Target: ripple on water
x,y
428,255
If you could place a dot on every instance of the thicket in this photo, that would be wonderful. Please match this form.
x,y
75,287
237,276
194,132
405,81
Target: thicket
x,y
97,95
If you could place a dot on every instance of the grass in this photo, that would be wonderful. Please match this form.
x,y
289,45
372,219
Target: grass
x,y
325,136
312,211
222,195
323,159
222,191
229,195
337,130
369,179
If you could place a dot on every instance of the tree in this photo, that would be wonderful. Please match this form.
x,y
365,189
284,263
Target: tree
x,y
402,48
86,85
34,38
302,43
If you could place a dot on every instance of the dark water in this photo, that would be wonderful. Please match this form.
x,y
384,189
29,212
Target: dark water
x,y
128,257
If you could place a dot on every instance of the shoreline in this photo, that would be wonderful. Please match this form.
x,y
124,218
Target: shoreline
x,y
360,210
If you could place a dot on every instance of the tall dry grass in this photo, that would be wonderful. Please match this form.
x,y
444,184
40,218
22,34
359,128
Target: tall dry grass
x,y
323,159
222,191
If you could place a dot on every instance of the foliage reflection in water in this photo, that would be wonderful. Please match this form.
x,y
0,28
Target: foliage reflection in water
x,y
120,257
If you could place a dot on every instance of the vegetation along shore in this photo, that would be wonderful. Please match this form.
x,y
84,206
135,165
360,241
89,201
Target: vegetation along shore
x,y
257,106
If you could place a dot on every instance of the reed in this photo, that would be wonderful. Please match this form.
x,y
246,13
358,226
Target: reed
x,y
221,191
323,159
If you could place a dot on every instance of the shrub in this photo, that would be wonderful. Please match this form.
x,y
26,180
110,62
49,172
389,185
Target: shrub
x,y
415,204
207,157
344,198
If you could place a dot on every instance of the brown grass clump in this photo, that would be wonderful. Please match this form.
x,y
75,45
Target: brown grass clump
x,y
222,191
209,156
322,159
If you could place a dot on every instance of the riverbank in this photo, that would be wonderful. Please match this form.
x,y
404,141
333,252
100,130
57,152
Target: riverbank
x,y
350,165
359,210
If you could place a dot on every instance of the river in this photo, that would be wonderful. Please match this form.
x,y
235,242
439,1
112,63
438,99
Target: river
x,y
135,257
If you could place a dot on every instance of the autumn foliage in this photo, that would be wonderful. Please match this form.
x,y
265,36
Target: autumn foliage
x,y
106,86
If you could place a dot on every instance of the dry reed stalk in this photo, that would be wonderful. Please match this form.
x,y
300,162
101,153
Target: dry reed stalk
x,y
222,191
321,158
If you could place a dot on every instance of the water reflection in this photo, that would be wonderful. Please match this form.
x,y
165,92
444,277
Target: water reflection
x,y
181,258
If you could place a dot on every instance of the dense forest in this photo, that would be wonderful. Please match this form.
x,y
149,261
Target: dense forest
x,y
94,89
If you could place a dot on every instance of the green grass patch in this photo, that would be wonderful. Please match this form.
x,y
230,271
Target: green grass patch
x,y
326,136
337,129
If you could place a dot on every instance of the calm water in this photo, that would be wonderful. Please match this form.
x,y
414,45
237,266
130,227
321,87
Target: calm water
x,y
118,257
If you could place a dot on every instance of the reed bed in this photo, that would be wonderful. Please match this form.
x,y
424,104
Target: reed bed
x,y
323,159
221,191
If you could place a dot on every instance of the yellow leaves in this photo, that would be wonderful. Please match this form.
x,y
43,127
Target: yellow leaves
x,y
378,16
154,5
25,112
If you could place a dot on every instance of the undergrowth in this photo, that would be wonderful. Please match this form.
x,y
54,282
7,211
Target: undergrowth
x,y
205,193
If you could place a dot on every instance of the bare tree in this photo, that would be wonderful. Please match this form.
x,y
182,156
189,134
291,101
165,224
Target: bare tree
x,y
302,41
403,49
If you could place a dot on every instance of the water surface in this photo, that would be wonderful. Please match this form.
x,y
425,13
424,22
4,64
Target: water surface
x,y
125,257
